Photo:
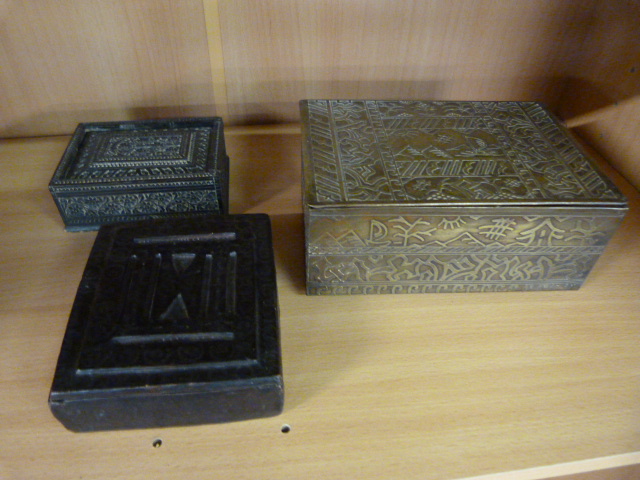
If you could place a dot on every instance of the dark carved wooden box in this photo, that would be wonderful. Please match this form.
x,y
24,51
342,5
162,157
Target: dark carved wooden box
x,y
175,322
416,196
126,171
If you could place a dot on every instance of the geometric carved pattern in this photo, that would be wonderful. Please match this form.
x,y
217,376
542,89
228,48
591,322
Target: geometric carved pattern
x,y
155,154
165,297
451,270
130,204
175,297
438,233
175,322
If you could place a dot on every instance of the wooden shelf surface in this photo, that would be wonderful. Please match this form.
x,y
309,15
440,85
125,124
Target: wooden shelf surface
x,y
431,386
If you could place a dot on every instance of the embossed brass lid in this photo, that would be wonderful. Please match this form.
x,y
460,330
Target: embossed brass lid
x,y
365,153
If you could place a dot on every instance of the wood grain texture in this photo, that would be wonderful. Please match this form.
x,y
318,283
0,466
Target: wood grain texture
x,y
216,56
602,468
434,386
616,135
277,52
602,98
64,62
631,472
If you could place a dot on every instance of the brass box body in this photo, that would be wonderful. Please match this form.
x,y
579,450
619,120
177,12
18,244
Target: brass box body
x,y
416,196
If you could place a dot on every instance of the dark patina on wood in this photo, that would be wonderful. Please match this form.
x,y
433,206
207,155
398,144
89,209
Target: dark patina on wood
x,y
175,322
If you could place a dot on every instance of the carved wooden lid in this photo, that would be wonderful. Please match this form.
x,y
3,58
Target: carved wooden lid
x,y
174,301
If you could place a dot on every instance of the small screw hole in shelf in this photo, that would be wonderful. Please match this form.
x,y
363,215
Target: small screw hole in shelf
x,y
157,443
285,428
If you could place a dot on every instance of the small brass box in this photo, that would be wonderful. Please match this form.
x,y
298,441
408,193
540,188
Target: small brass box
x,y
418,196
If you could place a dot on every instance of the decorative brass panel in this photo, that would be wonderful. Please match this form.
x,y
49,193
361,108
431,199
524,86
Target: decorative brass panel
x,y
363,253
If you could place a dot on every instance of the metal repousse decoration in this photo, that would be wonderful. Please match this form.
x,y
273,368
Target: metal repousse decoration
x,y
124,171
416,196
175,323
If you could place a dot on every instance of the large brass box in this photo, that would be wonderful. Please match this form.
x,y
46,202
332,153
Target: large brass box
x,y
416,196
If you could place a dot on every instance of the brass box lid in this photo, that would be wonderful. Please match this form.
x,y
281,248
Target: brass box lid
x,y
423,153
